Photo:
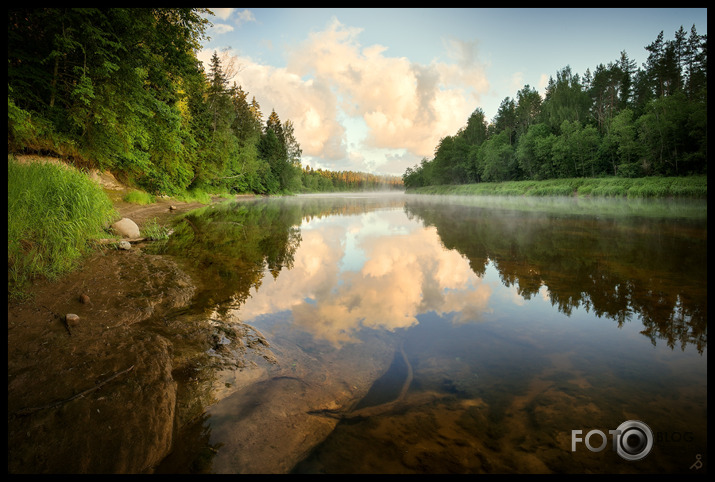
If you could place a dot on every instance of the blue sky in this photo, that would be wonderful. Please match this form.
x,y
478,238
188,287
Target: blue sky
x,y
374,90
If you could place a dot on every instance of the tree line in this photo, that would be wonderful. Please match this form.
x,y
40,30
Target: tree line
x,y
122,89
618,120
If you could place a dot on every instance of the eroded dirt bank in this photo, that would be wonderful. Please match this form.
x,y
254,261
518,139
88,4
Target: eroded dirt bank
x,y
98,396
127,389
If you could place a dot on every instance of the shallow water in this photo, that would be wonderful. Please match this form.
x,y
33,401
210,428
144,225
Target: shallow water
x,y
411,334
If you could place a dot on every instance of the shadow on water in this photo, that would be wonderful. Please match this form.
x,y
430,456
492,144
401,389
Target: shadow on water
x,y
623,260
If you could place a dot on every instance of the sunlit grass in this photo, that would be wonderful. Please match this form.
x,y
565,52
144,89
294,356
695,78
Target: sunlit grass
x,y
53,212
647,187
139,197
154,231
194,195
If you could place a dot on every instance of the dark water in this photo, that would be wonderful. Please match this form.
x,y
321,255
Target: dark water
x,y
462,335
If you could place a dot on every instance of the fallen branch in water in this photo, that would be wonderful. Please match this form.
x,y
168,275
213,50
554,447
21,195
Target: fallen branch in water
x,y
28,411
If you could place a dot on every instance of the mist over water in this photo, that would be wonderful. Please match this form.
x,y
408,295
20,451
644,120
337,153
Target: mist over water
x,y
417,334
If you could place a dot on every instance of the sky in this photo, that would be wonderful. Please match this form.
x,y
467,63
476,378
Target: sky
x,y
374,90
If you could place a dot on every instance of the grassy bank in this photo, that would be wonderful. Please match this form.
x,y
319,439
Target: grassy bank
x,y
646,187
53,213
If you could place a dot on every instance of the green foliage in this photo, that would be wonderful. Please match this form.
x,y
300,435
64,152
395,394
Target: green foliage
x,y
154,231
617,121
53,211
320,180
139,197
194,195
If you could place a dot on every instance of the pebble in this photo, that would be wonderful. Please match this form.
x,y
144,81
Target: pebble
x,y
72,319
83,298
125,245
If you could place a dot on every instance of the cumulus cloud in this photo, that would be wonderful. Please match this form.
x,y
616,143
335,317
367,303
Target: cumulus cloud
x,y
230,15
404,106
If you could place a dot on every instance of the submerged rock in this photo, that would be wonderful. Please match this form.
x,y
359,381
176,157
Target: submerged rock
x,y
72,319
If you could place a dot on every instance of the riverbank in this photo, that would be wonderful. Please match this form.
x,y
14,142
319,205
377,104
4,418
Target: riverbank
x,y
97,395
695,187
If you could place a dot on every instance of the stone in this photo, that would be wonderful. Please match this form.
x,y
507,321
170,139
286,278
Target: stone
x,y
126,228
172,208
72,319
125,245
83,298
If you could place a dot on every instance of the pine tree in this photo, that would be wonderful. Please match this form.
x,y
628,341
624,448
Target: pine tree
x,y
274,123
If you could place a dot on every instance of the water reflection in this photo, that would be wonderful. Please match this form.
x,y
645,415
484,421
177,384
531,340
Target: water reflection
x,y
369,271
476,336
619,267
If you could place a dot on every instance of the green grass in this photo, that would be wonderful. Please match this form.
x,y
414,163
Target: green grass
x,y
646,187
139,197
53,213
154,231
194,195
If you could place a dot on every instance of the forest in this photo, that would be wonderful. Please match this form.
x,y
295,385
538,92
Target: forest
x,y
615,121
122,89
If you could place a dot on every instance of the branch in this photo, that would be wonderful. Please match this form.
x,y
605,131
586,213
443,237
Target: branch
x,y
28,411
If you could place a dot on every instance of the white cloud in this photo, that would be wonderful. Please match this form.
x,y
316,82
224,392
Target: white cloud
x,y
543,83
405,107
230,14
244,16
222,13
404,104
221,28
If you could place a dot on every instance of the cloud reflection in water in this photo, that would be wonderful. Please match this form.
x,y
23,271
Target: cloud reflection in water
x,y
376,270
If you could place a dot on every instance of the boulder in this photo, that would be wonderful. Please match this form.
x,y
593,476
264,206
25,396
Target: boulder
x,y
126,228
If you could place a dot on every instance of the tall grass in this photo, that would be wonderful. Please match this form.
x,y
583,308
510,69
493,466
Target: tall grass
x,y
646,187
53,211
139,197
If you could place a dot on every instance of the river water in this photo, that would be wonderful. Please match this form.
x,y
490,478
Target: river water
x,y
361,333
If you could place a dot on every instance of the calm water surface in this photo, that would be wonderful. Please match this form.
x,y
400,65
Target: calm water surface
x,y
403,334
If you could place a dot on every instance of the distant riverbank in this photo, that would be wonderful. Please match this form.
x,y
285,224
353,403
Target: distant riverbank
x,y
644,187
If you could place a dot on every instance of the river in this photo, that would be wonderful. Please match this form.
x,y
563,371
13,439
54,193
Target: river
x,y
365,333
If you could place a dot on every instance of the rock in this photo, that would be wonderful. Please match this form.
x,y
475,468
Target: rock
x,y
172,208
105,179
125,245
72,319
126,228
83,298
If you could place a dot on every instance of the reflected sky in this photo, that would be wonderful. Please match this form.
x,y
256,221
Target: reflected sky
x,y
376,270
517,327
